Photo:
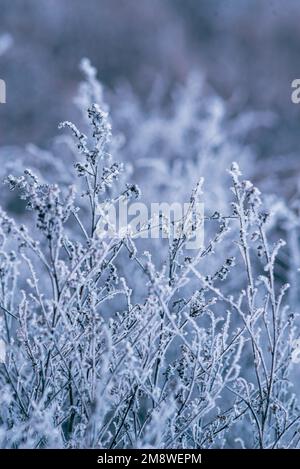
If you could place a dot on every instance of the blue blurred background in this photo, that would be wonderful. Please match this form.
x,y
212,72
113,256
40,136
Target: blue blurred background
x,y
245,48
244,52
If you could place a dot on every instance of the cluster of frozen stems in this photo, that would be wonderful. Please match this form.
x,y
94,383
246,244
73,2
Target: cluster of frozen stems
x,y
87,361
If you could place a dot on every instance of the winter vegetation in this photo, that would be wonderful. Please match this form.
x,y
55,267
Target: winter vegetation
x,y
111,341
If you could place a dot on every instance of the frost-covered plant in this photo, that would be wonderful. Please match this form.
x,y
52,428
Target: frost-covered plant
x,y
103,345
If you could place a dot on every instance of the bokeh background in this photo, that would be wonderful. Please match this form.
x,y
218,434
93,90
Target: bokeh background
x,y
192,85
245,52
248,48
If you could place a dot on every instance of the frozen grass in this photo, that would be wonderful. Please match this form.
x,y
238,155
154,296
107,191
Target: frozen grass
x,y
106,345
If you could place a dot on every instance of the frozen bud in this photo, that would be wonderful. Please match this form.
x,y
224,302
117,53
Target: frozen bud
x,y
235,170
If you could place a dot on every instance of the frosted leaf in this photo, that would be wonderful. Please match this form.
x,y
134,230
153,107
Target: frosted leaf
x,y
2,351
